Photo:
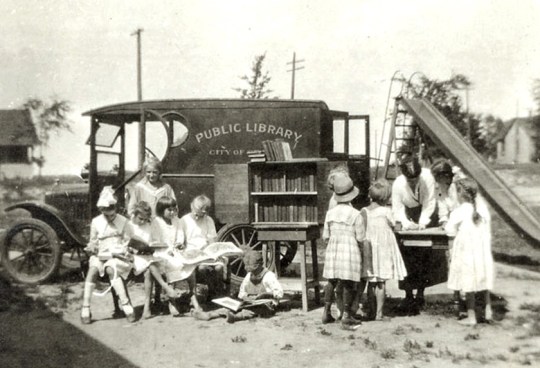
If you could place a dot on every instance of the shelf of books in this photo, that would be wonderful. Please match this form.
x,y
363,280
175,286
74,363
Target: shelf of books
x,y
286,192
281,193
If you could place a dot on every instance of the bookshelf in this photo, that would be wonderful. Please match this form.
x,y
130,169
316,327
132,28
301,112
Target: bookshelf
x,y
273,192
283,192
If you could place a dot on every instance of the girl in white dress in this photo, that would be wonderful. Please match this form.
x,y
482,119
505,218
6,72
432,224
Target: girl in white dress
x,y
385,258
168,238
200,231
139,232
471,268
108,241
343,233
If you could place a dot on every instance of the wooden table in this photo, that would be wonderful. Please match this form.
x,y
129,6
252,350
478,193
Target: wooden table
x,y
425,255
300,234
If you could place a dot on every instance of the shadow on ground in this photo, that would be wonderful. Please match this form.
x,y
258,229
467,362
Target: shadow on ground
x,y
32,335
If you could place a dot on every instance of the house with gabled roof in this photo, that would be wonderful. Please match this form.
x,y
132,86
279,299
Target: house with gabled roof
x,y
519,141
17,141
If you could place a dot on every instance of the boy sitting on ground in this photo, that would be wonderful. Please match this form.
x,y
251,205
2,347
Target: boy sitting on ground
x,y
259,283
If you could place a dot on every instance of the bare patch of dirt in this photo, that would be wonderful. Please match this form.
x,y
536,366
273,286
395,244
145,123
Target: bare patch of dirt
x,y
290,339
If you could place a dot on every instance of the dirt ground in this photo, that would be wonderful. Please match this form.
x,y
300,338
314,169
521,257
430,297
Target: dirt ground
x,y
40,327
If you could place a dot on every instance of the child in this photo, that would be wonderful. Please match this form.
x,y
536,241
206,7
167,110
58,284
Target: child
x,y
200,231
343,232
167,234
107,238
447,200
337,171
151,187
139,232
471,268
259,283
386,262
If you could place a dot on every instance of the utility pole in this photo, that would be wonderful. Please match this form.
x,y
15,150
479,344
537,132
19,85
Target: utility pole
x,y
293,70
142,123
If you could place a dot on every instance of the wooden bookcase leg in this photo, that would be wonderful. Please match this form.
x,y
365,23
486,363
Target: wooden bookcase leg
x,y
277,260
302,250
315,269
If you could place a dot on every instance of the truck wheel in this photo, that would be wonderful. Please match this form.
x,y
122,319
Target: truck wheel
x,y
31,251
244,236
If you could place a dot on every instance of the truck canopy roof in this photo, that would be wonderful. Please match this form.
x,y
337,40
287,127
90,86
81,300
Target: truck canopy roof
x,y
134,108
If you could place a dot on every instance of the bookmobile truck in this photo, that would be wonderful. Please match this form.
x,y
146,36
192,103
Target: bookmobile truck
x,y
203,145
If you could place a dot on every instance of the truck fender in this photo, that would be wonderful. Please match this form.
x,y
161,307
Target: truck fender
x,y
53,218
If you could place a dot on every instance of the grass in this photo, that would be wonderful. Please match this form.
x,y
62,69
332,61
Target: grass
x,y
239,339
388,354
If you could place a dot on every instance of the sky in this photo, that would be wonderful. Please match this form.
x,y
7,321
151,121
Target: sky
x,y
84,52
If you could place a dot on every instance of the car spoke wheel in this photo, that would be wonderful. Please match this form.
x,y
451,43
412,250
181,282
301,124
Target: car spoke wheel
x,y
31,251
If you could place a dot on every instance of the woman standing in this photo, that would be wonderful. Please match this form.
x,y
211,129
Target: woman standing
x,y
414,206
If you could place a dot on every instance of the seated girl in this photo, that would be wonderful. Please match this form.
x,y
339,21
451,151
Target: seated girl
x,y
139,233
108,242
167,237
200,231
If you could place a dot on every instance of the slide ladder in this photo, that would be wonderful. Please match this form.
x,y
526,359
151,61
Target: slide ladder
x,y
403,137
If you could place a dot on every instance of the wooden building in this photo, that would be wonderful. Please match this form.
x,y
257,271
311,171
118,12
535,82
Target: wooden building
x,y
17,140
519,141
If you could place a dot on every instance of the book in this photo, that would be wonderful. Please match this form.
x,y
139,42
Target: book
x,y
210,253
287,151
140,246
268,151
278,149
236,305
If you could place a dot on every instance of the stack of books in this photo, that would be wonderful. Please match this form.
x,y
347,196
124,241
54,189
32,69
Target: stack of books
x,y
256,156
277,150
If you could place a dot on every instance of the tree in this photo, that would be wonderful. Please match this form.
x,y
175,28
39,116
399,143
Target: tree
x,y
49,116
257,82
446,96
536,93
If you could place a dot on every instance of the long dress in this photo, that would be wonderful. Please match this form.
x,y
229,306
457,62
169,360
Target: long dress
x,y
471,268
166,238
144,191
344,230
109,238
386,263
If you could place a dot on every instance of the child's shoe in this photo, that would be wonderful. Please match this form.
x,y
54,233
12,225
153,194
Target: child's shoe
x,y
348,322
130,313
327,314
86,315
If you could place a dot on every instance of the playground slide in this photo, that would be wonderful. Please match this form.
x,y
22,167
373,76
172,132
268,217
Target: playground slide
x,y
499,195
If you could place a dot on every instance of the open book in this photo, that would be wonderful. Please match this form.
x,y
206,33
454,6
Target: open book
x,y
210,253
235,305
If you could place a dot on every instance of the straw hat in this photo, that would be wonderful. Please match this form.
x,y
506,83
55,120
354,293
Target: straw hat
x,y
344,189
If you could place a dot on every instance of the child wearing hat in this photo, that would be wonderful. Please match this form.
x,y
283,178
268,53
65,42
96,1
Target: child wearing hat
x,y
343,233
259,283
108,239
